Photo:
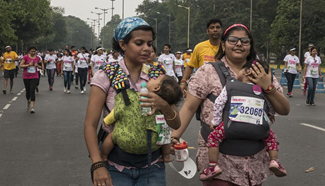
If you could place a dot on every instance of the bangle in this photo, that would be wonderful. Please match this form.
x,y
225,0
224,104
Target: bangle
x,y
98,165
173,117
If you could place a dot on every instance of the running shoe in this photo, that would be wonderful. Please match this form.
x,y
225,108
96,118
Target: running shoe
x,y
307,102
37,89
11,92
32,110
209,173
51,88
65,90
277,168
85,89
68,91
312,103
82,92
4,92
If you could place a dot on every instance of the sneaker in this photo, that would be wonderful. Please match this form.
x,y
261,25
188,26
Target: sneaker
x,y
290,94
11,92
277,168
312,103
82,92
65,90
68,91
307,102
85,89
37,89
32,110
209,173
4,92
51,88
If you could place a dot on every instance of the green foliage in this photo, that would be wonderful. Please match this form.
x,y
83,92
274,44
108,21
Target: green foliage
x,y
107,31
26,22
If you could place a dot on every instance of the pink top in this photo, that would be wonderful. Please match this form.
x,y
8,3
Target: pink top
x,y
30,72
101,80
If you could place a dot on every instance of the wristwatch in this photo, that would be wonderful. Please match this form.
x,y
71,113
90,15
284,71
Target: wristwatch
x,y
269,88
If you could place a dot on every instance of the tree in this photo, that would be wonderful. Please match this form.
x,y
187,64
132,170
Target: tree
x,y
107,32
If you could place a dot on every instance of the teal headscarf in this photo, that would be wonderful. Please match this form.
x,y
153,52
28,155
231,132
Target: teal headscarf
x,y
126,26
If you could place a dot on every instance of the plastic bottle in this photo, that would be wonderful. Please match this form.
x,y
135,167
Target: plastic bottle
x,y
144,110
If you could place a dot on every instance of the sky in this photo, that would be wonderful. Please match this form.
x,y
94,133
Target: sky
x,y
83,8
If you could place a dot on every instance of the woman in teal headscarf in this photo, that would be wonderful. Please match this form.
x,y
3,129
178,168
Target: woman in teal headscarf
x,y
133,38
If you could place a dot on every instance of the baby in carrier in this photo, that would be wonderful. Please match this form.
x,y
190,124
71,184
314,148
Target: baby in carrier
x,y
227,109
164,86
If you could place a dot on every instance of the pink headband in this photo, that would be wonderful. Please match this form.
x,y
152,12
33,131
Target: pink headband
x,y
235,25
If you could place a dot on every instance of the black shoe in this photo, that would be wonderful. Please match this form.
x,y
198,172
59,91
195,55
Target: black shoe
x,y
312,103
307,102
4,92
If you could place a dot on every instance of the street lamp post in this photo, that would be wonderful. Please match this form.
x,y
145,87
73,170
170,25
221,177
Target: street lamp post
x,y
251,16
156,19
112,7
169,27
300,21
104,12
93,24
98,23
188,23
122,9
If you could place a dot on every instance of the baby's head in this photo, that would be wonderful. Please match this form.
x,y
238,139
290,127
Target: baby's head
x,y
166,87
246,70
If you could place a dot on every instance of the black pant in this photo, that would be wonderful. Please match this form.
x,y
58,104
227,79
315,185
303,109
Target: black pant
x,y
82,73
77,78
291,79
16,72
39,78
30,86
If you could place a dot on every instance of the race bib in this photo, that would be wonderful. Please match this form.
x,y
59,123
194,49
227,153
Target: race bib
x,y
164,131
67,67
168,61
314,71
187,60
31,70
246,109
8,61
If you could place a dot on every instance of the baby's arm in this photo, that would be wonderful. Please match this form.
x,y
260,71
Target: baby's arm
x,y
107,146
218,106
110,118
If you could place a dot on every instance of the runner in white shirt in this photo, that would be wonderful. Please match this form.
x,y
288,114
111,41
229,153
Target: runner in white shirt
x,y
83,60
179,63
115,57
291,61
67,69
312,72
50,61
167,59
307,54
97,60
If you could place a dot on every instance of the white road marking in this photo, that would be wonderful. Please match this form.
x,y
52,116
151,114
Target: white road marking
x,y
6,107
0,115
14,99
18,94
312,126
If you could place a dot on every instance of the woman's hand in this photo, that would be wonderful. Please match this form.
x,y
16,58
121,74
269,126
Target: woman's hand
x,y
261,78
154,101
102,177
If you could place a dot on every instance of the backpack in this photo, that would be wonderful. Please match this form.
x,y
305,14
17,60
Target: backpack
x,y
243,138
123,155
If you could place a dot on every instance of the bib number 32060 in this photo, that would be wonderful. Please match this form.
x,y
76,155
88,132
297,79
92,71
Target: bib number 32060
x,y
246,109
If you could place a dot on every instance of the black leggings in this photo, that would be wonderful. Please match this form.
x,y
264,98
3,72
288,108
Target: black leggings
x,y
82,73
30,86
291,79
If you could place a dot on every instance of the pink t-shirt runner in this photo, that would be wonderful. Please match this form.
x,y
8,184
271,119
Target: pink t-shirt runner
x,y
30,72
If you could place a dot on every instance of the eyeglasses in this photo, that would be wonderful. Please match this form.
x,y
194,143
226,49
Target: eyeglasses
x,y
234,40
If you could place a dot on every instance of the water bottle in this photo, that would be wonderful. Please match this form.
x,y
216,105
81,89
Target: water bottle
x,y
144,110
